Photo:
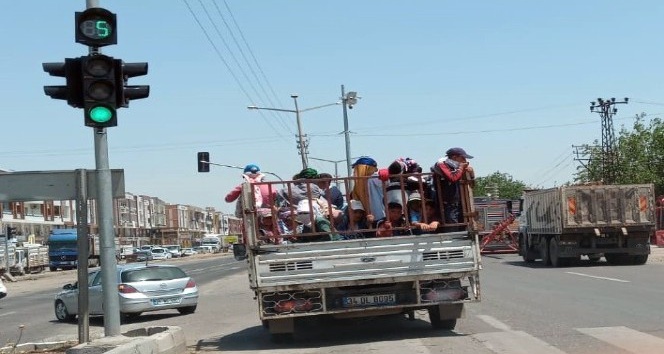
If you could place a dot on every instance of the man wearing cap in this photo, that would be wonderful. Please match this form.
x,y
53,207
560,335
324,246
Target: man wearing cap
x,y
354,218
451,170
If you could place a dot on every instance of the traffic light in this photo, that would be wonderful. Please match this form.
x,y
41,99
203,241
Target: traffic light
x,y
96,27
71,92
125,93
99,91
11,232
203,161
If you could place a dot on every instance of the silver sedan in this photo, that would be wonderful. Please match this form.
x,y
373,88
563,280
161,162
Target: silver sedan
x,y
141,288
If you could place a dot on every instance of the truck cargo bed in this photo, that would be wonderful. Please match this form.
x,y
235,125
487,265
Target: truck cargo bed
x,y
573,209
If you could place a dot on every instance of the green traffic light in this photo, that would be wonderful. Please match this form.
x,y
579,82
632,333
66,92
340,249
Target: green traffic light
x,y
101,114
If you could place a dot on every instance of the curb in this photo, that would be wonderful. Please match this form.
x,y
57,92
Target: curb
x,y
40,347
150,340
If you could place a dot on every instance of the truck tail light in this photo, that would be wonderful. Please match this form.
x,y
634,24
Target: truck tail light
x,y
571,205
299,305
643,203
126,289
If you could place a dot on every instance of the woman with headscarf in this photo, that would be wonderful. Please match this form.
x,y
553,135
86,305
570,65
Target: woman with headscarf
x,y
369,191
252,174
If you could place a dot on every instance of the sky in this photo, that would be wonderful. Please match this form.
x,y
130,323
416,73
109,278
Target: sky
x,y
509,81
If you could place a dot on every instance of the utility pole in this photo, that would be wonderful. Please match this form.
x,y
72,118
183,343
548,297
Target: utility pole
x,y
301,141
348,100
609,159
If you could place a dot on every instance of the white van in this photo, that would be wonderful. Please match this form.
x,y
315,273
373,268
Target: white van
x,y
213,242
176,251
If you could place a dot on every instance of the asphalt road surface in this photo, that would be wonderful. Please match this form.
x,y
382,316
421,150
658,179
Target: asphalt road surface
x,y
582,309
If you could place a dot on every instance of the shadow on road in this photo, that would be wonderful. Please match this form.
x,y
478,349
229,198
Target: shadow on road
x,y
98,321
582,263
326,332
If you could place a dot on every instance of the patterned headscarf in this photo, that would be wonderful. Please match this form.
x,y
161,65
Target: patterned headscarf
x,y
364,167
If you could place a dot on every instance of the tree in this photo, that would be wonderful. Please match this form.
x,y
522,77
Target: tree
x,y
502,183
640,155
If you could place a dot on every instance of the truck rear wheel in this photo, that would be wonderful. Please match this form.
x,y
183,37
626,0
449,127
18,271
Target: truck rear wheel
x,y
554,254
639,259
437,323
544,250
527,253
617,258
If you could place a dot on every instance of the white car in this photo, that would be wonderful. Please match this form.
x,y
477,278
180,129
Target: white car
x,y
3,289
141,289
161,253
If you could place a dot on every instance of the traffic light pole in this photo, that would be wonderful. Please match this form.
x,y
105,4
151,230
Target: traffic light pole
x,y
105,221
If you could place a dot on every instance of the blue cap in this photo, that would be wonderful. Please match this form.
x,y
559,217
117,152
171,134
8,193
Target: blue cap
x,y
366,160
458,151
252,168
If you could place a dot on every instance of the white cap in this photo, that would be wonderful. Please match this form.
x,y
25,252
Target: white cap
x,y
356,205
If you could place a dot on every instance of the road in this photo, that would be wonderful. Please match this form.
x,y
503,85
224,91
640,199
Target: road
x,y
30,302
587,308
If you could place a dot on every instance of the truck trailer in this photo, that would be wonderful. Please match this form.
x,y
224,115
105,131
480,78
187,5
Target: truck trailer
x,y
559,225
293,278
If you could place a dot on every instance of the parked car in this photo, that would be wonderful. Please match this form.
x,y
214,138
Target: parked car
x,y
188,252
175,250
161,253
201,249
141,288
140,256
3,289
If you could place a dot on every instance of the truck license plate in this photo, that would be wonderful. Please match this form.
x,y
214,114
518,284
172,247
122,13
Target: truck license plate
x,y
166,301
369,300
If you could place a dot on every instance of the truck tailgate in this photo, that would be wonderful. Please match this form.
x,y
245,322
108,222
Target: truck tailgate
x,y
375,259
575,208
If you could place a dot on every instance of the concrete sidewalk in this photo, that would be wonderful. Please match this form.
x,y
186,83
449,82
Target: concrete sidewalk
x,y
150,340
656,255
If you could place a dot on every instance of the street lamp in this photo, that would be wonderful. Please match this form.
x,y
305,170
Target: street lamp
x,y
297,111
349,100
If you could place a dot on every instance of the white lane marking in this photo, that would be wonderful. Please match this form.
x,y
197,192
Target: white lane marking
x,y
7,313
626,338
221,266
597,277
515,342
491,321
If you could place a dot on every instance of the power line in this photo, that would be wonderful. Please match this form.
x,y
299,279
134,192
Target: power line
x,y
135,148
334,134
221,57
251,52
237,62
246,60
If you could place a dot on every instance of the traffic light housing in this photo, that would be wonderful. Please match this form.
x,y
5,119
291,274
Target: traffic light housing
x,y
203,159
71,92
11,232
126,92
96,27
99,90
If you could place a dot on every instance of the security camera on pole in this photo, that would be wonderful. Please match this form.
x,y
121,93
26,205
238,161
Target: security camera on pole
x,y
98,84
